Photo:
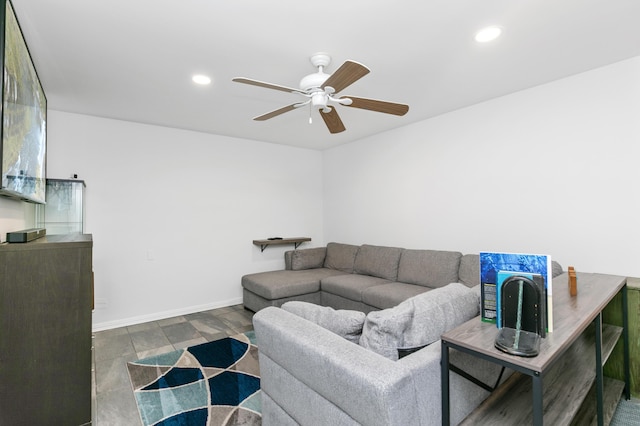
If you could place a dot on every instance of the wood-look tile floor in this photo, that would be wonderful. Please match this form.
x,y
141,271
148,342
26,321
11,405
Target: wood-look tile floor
x,y
114,403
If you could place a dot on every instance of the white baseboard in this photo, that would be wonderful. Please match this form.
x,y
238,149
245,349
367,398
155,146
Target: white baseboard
x,y
108,325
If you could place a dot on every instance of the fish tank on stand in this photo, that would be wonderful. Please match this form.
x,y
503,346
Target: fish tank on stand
x,y
63,212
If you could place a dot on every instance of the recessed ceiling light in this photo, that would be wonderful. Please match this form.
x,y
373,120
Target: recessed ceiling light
x,y
201,79
488,34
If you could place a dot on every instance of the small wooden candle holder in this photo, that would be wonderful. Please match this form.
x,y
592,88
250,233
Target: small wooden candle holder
x,y
573,282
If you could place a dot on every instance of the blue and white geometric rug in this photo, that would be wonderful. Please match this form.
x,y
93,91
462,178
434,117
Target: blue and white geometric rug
x,y
212,384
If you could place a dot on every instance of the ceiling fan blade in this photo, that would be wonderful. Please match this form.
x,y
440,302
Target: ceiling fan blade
x,y
379,106
347,74
276,112
266,85
333,121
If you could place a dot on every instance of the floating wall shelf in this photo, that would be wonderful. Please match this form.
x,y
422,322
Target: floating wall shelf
x,y
278,241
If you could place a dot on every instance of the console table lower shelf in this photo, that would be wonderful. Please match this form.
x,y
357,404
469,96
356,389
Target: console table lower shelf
x,y
569,389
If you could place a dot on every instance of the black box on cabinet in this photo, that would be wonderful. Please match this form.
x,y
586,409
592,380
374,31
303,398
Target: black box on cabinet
x,y
26,235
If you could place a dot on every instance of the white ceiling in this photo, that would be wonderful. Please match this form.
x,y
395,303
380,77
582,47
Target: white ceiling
x,y
133,59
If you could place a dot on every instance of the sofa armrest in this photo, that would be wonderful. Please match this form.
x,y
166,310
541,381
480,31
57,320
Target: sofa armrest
x,y
360,384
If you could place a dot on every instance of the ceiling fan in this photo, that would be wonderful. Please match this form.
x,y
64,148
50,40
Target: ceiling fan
x,y
321,90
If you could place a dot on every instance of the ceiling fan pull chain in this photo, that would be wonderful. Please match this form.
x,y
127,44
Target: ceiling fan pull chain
x,y
310,112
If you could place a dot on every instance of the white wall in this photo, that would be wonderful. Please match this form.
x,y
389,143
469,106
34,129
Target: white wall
x,y
173,213
15,215
553,169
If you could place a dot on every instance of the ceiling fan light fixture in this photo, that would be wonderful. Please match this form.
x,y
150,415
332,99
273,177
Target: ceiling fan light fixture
x,y
319,99
488,34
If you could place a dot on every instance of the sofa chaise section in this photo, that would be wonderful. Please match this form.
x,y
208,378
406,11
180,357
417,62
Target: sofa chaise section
x,y
300,280
273,288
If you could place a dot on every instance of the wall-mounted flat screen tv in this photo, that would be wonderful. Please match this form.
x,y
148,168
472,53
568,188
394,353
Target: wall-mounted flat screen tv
x,y
23,134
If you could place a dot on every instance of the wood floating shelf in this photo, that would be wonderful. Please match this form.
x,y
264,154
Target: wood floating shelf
x,y
296,241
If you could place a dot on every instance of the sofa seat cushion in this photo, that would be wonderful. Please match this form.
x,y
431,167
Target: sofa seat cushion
x,y
345,323
278,284
350,286
430,268
378,261
389,295
419,321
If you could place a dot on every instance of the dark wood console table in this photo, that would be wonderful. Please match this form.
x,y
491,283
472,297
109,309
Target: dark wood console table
x,y
570,361
268,242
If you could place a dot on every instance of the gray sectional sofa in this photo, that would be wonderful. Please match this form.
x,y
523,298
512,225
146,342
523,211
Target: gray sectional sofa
x,y
362,278
339,359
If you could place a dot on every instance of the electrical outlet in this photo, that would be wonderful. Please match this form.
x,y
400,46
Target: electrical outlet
x,y
101,303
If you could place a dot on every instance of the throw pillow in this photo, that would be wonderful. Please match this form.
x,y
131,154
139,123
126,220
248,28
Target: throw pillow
x,y
420,320
345,323
307,258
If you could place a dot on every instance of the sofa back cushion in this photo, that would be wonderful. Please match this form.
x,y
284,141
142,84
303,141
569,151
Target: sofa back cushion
x,y
420,320
308,258
340,257
378,261
469,272
429,268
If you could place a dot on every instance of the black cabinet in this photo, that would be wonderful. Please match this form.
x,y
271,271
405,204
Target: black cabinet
x,y
46,295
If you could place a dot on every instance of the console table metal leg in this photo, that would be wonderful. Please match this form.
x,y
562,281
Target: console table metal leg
x,y
444,383
536,383
625,337
599,379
